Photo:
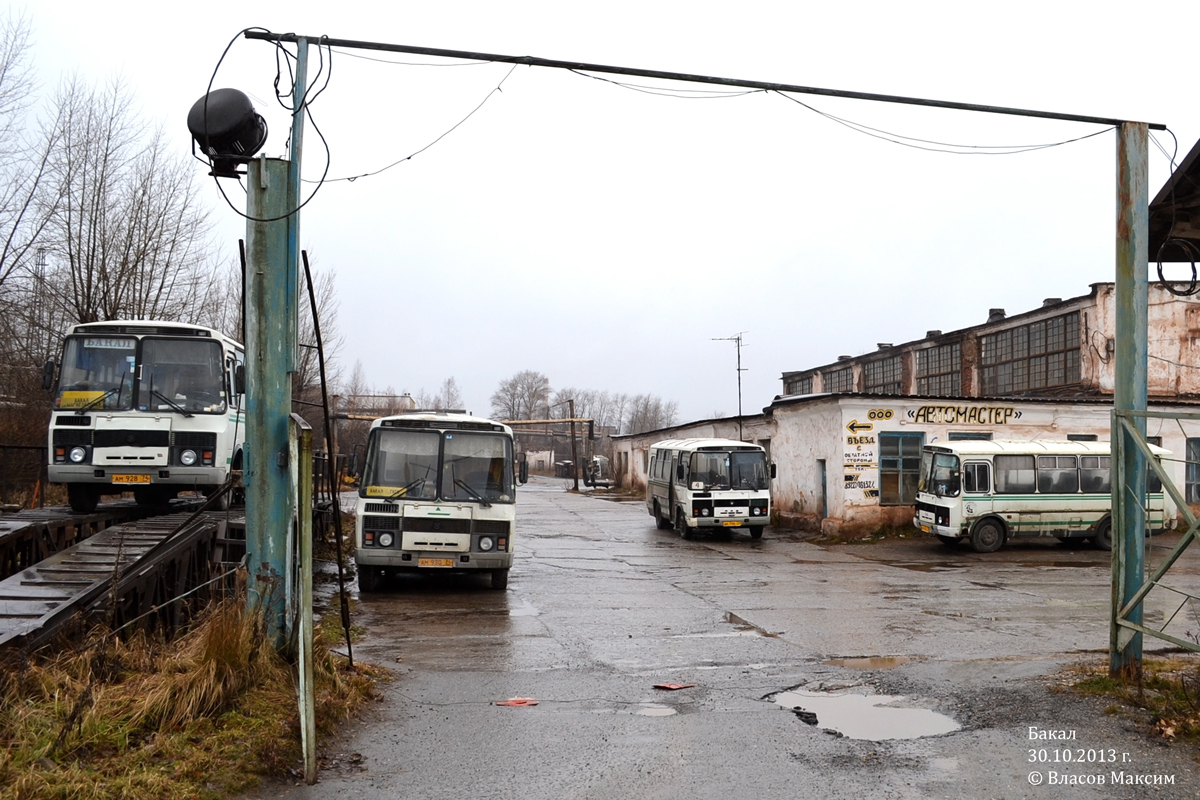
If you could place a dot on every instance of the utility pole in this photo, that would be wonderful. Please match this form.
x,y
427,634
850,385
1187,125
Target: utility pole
x,y
737,340
574,449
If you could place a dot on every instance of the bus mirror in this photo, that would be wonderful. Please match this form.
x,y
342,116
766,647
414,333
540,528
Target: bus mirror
x,y
352,465
523,472
679,472
48,375
773,470
239,379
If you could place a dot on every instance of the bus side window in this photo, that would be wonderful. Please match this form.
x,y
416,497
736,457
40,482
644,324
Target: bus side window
x,y
1057,475
1095,474
977,477
1015,475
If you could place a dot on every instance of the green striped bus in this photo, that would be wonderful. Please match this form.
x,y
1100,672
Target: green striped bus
x,y
987,492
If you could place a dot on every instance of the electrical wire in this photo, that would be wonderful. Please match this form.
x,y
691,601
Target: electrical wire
x,y
949,148
283,56
681,94
443,135
342,51
1190,250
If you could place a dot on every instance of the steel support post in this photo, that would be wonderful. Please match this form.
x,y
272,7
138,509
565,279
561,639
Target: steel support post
x,y
269,307
1129,484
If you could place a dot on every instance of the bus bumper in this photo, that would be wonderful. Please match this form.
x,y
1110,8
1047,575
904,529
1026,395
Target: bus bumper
x,y
121,479
933,529
431,562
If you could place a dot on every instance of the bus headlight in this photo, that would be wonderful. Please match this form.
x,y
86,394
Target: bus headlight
x,y
187,458
486,543
705,512
386,539
78,454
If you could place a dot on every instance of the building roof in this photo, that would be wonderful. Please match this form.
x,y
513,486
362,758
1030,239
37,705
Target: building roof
x,y
1175,212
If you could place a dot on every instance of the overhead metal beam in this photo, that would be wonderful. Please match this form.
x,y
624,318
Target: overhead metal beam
x,y
738,83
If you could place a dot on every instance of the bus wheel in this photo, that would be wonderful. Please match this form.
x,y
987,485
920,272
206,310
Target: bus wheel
x,y
499,579
83,498
756,531
369,578
987,536
1103,537
660,521
681,524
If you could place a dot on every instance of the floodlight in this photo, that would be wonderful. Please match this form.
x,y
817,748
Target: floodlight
x,y
227,129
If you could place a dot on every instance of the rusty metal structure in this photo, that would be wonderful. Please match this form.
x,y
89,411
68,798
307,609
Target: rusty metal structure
x,y
136,572
30,536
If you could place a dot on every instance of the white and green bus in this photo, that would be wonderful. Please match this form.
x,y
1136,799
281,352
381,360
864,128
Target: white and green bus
x,y
987,492
709,484
438,494
151,407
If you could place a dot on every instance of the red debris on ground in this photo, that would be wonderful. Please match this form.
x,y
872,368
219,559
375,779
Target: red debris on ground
x,y
673,686
517,701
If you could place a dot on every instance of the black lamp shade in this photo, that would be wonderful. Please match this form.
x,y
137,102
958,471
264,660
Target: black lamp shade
x,y
228,131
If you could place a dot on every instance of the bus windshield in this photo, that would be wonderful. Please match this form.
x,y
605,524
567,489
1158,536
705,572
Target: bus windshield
x,y
97,372
182,375
944,476
404,463
476,467
729,470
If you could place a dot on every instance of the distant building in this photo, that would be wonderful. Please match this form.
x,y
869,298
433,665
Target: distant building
x,y
847,436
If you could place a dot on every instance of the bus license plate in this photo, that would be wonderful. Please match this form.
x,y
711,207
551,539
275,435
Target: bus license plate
x,y
435,562
130,478
732,523
925,528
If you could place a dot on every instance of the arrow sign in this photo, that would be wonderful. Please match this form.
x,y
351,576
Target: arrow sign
x,y
855,426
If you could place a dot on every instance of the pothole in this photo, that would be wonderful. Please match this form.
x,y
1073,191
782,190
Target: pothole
x,y
655,710
869,662
872,718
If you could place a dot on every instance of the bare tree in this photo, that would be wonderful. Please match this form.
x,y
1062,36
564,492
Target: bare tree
x,y
128,229
650,412
27,201
523,396
449,397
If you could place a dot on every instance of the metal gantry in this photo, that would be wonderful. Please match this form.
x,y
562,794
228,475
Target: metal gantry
x,y
1128,622
1131,285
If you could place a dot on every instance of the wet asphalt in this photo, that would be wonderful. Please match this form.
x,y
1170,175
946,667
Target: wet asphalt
x,y
966,652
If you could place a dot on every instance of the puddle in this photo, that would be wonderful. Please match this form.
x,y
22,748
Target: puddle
x,y
745,626
655,710
524,610
869,662
868,717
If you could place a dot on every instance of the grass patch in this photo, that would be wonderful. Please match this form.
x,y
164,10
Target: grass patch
x,y
1166,700
204,716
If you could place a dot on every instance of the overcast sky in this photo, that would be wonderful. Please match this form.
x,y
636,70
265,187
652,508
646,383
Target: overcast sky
x,y
605,235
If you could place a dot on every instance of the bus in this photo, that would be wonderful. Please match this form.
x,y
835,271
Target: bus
x,y
715,484
437,494
149,407
987,492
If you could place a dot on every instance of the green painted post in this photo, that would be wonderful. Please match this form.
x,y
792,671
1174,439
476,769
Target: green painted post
x,y
268,388
1129,393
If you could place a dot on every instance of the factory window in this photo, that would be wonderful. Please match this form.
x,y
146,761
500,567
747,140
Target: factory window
x,y
939,371
1032,357
899,467
800,385
882,376
840,380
